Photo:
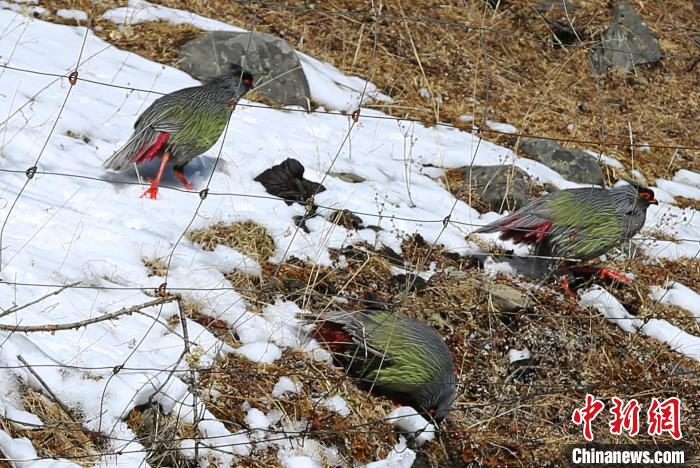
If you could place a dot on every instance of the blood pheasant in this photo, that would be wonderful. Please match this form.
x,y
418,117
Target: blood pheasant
x,y
578,224
181,125
401,358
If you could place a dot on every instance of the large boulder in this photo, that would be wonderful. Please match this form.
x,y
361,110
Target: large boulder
x,y
627,42
272,61
574,165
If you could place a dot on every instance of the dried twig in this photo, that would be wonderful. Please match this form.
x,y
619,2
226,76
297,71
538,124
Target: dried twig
x,y
83,323
14,309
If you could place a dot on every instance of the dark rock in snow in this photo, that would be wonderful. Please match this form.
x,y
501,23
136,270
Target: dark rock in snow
x,y
627,42
272,61
575,165
286,180
497,188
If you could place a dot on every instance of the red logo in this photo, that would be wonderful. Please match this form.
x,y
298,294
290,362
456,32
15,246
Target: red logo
x,y
587,414
664,416
625,417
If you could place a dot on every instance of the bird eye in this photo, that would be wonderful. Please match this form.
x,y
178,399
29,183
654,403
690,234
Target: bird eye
x,y
247,81
645,195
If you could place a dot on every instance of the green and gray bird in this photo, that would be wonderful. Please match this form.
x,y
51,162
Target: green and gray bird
x,y
401,358
578,224
182,125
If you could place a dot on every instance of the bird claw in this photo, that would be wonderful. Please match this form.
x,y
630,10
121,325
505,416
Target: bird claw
x,y
151,191
567,288
606,273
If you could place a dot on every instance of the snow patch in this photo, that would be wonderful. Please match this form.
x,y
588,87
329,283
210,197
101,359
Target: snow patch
x,y
283,386
661,330
515,355
677,294
400,457
407,419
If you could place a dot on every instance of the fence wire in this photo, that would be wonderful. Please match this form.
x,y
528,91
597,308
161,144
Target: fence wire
x,y
192,408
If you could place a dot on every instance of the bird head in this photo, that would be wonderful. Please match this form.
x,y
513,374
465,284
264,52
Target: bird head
x,y
644,195
632,197
235,77
435,399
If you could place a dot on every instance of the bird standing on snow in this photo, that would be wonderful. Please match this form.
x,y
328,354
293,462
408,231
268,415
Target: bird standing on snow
x,y
399,357
181,125
578,224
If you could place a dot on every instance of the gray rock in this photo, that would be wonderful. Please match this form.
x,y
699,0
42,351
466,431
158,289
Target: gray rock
x,y
497,188
504,298
267,58
627,42
575,165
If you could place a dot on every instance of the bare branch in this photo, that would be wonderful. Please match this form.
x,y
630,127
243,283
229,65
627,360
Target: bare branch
x,y
83,323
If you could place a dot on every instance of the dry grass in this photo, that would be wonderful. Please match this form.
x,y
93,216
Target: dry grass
x,y
160,434
247,237
234,381
683,202
59,437
155,266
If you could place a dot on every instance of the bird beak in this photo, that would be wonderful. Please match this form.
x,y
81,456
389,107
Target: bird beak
x,y
653,201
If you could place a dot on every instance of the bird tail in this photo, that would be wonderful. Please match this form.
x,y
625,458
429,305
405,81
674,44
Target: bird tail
x,y
497,225
143,146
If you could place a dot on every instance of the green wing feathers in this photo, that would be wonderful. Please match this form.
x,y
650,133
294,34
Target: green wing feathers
x,y
402,357
195,127
579,230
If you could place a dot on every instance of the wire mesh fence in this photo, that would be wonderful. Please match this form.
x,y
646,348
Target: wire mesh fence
x,y
204,396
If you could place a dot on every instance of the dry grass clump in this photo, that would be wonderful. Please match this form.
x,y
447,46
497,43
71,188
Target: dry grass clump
x,y
233,382
156,266
247,237
683,202
160,434
59,437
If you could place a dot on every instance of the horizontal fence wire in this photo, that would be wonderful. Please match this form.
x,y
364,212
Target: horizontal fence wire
x,y
478,129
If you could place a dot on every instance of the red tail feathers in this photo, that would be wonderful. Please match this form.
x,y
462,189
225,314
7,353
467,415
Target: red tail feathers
x,y
535,234
332,335
146,154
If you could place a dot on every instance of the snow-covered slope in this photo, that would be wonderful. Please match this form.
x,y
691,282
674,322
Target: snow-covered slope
x,y
72,223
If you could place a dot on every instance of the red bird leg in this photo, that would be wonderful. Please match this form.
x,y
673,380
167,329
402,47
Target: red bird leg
x,y
567,289
606,273
181,177
152,191
602,273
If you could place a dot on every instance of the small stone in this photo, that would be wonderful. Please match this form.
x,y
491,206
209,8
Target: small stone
x,y
506,298
627,42
348,177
